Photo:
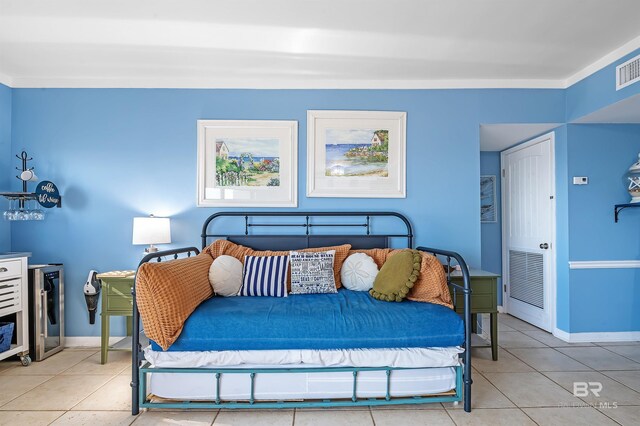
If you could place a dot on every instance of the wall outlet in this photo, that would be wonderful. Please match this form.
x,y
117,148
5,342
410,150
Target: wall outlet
x,y
580,180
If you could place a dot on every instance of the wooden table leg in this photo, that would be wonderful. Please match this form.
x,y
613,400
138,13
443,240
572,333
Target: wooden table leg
x,y
494,336
104,339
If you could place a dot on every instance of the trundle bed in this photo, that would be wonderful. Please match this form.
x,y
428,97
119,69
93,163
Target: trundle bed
x,y
326,350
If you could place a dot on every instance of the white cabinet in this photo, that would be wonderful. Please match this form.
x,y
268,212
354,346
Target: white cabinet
x,y
14,299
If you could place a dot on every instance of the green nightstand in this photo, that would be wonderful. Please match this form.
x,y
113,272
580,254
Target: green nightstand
x,y
484,300
116,301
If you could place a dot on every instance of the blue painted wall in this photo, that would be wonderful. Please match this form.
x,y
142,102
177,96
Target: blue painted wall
x,y
491,233
563,297
6,171
117,154
585,227
609,299
603,152
598,90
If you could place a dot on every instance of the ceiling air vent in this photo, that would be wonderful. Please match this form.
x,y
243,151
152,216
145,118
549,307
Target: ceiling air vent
x,y
628,73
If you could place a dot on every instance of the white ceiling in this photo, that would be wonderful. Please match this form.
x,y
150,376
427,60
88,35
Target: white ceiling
x,y
498,137
625,111
309,43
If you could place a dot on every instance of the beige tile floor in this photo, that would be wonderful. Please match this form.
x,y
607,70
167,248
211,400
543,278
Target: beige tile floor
x,y
531,384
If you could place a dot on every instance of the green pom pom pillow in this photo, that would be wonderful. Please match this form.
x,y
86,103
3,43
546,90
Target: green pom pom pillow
x,y
397,276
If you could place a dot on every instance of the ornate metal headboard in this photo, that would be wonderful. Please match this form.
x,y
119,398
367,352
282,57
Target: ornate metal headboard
x,y
358,229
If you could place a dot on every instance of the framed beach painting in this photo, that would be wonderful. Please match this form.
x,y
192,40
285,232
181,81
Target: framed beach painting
x,y
359,154
247,163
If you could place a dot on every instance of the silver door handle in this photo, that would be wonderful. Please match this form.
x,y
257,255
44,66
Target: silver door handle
x,y
544,246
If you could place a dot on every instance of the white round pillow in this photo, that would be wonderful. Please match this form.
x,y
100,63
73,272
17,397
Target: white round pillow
x,y
358,272
225,276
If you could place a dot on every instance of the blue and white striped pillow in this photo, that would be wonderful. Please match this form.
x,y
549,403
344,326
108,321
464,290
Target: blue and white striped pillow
x,y
265,276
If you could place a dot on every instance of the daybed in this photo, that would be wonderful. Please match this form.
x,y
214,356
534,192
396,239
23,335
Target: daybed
x,y
341,349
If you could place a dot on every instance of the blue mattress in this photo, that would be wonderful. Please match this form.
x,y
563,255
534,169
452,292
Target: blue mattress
x,y
345,320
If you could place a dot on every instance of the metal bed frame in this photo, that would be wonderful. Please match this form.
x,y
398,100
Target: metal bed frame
x,y
306,221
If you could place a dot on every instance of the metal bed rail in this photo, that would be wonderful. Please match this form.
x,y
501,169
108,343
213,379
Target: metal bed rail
x,y
307,225
252,402
137,354
466,290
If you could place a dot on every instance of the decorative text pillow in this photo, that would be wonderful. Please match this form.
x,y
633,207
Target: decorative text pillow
x,y
225,276
397,276
265,276
312,272
358,272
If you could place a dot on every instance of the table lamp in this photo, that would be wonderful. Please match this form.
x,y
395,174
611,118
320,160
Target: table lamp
x,y
151,230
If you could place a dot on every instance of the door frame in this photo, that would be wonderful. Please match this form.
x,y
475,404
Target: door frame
x,y
551,298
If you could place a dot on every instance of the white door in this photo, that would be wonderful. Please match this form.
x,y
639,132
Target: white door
x,y
528,191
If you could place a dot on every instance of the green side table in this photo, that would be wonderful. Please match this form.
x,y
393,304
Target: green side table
x,y
484,300
116,301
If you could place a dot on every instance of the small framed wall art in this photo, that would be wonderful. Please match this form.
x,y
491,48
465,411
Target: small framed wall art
x,y
247,163
488,199
359,154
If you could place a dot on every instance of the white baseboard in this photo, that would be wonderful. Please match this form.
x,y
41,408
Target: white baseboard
x,y
88,341
500,309
613,336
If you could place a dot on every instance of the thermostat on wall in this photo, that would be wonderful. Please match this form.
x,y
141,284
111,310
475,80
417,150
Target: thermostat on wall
x,y
580,180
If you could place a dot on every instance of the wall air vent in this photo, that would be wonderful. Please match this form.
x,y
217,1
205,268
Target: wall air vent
x,y
628,73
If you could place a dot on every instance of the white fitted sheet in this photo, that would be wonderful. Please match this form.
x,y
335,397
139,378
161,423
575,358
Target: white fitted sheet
x,y
298,386
400,357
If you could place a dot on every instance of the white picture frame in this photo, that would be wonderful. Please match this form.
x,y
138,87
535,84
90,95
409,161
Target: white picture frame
x,y
342,163
247,163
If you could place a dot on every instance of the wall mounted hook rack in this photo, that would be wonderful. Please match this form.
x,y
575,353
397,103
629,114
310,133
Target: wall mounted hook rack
x,y
25,195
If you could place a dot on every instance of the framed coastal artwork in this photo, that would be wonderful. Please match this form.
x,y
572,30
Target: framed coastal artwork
x,y
359,154
488,199
249,163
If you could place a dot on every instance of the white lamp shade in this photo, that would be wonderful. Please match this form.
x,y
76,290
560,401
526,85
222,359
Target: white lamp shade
x,y
151,230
